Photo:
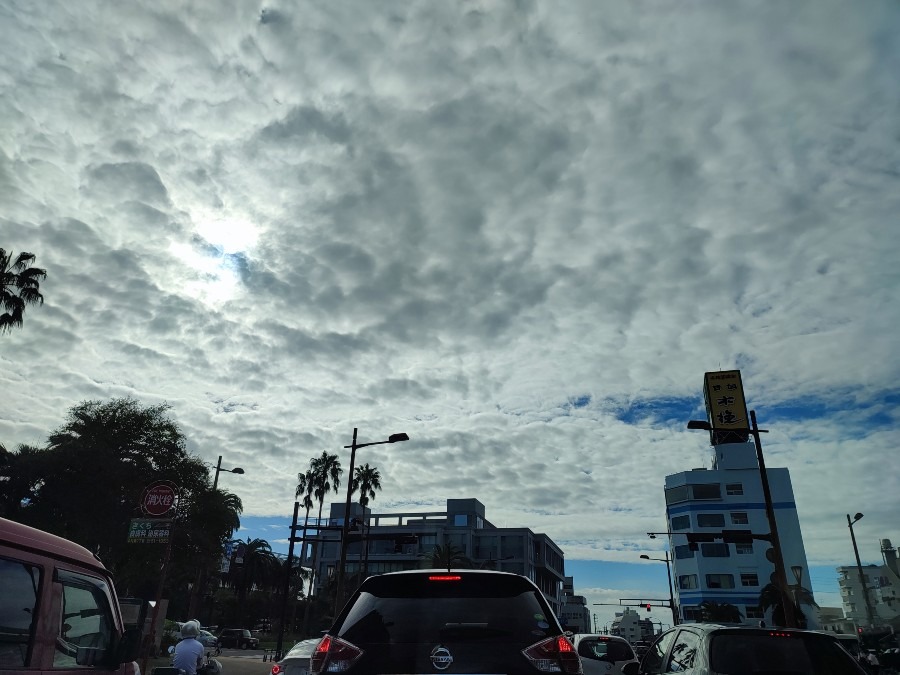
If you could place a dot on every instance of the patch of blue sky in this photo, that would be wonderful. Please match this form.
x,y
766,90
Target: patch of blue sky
x,y
659,411
870,414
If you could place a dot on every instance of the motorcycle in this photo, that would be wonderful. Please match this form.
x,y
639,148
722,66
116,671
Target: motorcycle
x,y
210,666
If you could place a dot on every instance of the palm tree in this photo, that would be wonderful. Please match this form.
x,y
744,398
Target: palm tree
x,y
367,480
305,486
448,556
770,597
259,569
325,476
720,612
19,286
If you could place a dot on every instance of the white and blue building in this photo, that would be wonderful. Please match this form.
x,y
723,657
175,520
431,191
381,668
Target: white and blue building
x,y
729,496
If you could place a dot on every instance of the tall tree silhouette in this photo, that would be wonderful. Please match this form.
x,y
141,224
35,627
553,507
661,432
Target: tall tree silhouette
x,y
19,286
325,473
367,480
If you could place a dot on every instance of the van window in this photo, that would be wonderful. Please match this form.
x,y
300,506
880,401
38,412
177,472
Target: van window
x,y
18,612
86,625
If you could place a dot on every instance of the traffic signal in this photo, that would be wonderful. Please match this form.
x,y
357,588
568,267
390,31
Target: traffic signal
x,y
859,630
648,606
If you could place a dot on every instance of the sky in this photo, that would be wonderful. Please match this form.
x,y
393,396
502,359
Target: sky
x,y
520,232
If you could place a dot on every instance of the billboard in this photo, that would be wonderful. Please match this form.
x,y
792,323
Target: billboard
x,y
726,408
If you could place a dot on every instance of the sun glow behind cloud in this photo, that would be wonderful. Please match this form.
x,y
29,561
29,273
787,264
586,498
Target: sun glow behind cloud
x,y
212,274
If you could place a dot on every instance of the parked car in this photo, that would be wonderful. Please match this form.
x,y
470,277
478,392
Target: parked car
x,y
237,638
707,648
296,661
459,621
209,641
602,654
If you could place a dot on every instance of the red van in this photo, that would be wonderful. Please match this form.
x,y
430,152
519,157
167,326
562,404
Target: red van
x,y
58,608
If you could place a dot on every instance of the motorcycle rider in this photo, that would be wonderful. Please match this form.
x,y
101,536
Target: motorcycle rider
x,y
189,652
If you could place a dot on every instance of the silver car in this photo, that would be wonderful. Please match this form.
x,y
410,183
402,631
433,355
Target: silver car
x,y
296,661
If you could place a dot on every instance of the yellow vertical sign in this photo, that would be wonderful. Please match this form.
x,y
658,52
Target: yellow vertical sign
x,y
725,404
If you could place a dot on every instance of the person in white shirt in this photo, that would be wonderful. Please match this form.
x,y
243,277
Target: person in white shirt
x,y
189,652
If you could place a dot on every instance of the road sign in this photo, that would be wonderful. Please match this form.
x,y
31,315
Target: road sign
x,y
149,531
158,499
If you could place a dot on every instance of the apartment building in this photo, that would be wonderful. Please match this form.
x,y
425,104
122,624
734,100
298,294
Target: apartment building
x,y
387,542
733,569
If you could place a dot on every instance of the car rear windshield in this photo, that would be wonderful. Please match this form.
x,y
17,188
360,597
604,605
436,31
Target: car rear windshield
x,y
473,607
779,652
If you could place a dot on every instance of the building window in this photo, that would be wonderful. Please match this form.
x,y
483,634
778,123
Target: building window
x,y
693,613
687,581
684,551
677,494
719,581
681,523
710,520
734,489
460,520
744,549
739,518
714,550
752,612
707,491
749,580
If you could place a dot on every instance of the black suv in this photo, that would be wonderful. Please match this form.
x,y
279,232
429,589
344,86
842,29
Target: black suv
x,y
238,638
708,648
459,621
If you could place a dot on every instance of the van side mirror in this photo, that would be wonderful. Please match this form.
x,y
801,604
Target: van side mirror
x,y
128,647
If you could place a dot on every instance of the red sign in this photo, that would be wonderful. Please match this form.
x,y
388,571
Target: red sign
x,y
158,499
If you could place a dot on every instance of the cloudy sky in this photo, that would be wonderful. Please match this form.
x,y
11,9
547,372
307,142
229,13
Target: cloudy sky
x,y
518,231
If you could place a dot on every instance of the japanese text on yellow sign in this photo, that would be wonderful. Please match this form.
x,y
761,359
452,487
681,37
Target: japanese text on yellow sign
x,y
725,400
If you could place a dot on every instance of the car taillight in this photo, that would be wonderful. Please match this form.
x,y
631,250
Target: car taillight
x,y
444,577
554,655
333,655
276,669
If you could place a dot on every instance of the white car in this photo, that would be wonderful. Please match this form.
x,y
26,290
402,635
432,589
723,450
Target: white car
x,y
603,654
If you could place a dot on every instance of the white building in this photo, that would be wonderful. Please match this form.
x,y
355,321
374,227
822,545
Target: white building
x,y
575,615
629,625
729,497
883,582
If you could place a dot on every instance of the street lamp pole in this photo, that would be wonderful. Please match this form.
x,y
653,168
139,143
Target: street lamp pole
x,y
219,469
786,602
862,578
667,560
354,446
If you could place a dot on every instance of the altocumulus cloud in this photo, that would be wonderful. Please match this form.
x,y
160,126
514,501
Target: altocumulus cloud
x,y
518,231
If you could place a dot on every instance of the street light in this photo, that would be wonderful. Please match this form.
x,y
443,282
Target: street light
x,y
354,446
667,560
862,578
219,469
789,618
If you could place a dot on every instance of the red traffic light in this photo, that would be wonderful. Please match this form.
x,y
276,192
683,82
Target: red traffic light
x,y
648,606
859,630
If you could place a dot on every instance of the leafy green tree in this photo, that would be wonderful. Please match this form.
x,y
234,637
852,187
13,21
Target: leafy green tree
x,y
86,483
719,612
448,556
770,598
19,286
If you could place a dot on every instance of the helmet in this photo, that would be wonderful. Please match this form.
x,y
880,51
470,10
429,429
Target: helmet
x,y
190,629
